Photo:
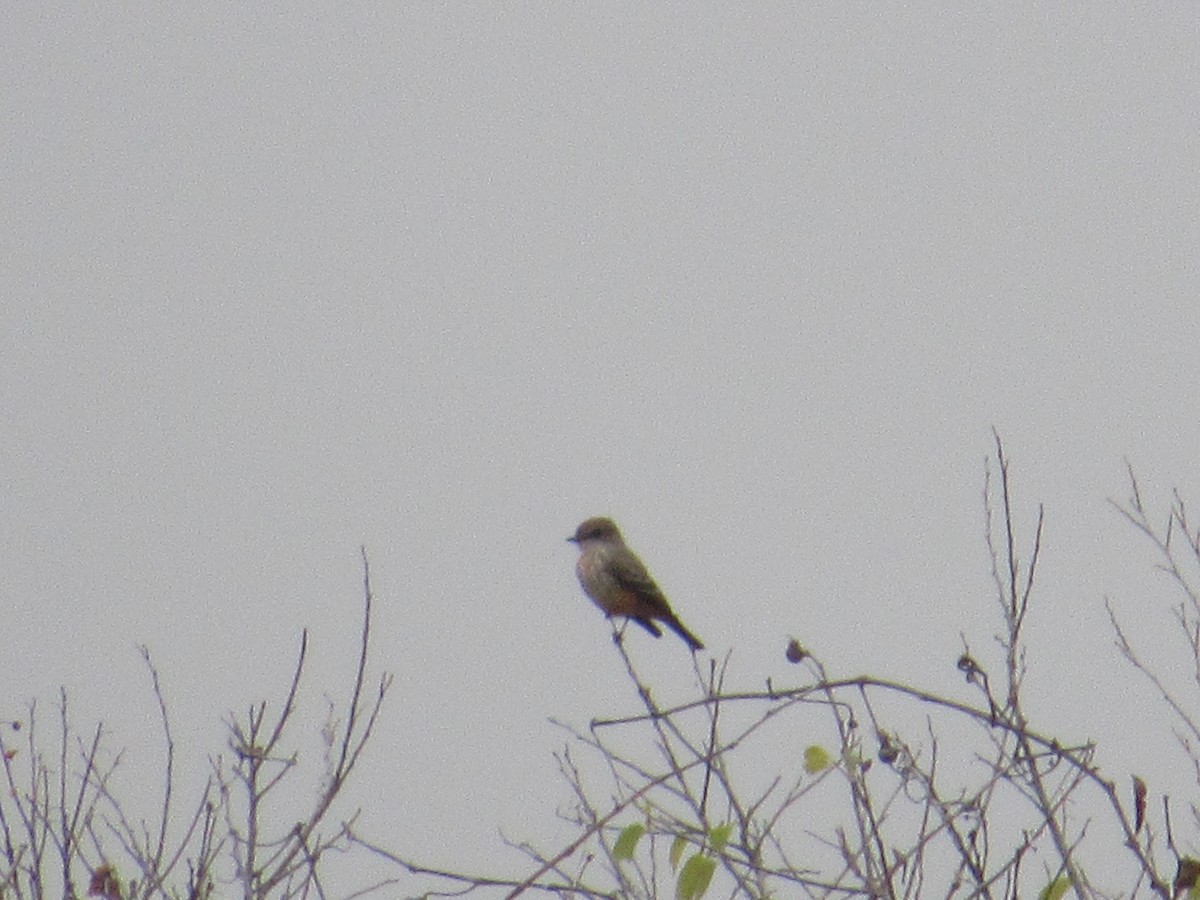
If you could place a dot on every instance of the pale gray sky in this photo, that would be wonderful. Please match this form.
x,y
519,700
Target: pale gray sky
x,y
445,280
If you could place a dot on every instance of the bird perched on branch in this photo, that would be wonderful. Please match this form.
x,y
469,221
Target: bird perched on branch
x,y
616,580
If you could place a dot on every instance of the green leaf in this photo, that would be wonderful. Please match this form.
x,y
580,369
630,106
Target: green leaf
x,y
1056,889
628,840
676,853
719,836
816,759
696,876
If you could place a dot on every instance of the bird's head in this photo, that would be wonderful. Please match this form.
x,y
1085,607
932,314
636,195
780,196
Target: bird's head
x,y
597,528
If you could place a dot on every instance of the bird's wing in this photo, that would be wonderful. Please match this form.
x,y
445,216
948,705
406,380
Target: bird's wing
x,y
629,572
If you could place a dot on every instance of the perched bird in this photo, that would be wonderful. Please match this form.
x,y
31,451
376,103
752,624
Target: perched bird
x,y
617,581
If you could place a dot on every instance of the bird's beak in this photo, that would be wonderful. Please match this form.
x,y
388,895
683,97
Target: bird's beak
x,y
572,540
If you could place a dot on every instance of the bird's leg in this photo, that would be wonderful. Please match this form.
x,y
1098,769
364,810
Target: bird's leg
x,y
619,631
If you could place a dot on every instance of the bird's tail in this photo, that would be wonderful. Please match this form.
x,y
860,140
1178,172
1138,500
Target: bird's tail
x,y
680,629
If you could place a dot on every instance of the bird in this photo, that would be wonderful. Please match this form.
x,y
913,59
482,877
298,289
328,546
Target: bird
x,y
617,581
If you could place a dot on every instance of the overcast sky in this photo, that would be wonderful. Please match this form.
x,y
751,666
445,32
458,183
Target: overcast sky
x,y
445,280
